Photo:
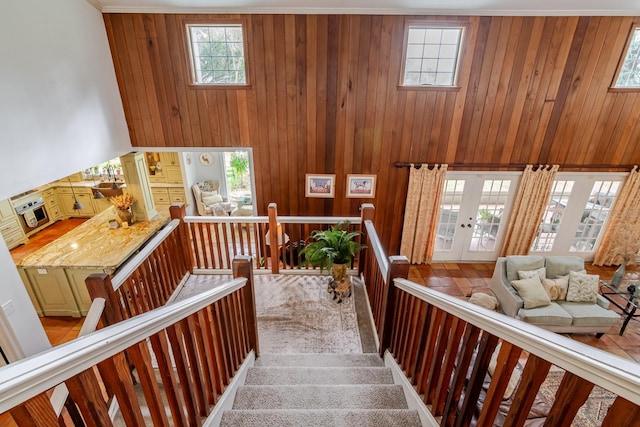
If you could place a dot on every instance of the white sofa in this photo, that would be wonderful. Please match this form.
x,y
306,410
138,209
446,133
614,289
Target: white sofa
x,y
560,315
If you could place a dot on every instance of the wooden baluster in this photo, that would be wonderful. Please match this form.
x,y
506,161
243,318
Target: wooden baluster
x,y
141,359
214,348
273,238
218,246
417,338
207,357
398,323
35,412
207,244
460,375
197,245
571,395
506,363
167,373
176,335
86,394
533,375
223,340
117,379
189,332
439,355
622,414
444,379
398,268
242,267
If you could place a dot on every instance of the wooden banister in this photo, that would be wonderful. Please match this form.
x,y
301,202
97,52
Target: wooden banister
x,y
99,286
179,211
243,268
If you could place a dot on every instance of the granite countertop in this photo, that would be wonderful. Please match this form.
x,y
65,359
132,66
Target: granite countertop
x,y
93,245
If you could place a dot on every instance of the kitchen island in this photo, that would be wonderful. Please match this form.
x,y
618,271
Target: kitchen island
x,y
54,275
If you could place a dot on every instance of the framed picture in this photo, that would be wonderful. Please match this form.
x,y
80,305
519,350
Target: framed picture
x,y
361,186
206,159
320,185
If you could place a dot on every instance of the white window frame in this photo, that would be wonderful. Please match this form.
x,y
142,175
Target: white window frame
x,y
633,35
461,26
196,78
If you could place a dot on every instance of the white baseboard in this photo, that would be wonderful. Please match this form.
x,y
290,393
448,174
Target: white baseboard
x,y
373,323
413,399
226,401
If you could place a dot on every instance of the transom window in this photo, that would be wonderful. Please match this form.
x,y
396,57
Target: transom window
x,y
629,73
217,54
432,54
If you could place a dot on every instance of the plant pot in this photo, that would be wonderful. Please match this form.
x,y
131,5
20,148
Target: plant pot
x,y
338,272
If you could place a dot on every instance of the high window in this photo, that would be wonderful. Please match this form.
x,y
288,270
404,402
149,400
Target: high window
x,y
629,72
217,54
431,55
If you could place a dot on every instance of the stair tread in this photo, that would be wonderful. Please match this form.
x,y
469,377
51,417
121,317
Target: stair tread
x,y
320,360
321,417
377,396
318,375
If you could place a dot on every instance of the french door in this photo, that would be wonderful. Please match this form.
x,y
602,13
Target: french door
x,y
473,216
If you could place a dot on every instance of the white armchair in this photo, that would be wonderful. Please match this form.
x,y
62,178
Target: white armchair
x,y
209,201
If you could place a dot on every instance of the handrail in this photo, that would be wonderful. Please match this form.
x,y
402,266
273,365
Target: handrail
x,y
614,373
29,377
226,219
318,219
374,242
136,261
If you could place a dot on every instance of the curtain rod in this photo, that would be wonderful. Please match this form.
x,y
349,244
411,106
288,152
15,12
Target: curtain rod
x,y
624,168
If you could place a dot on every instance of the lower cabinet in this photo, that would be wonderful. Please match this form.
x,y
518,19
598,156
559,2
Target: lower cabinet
x,y
52,291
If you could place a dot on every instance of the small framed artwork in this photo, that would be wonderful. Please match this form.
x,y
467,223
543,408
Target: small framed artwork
x,y
206,159
320,185
361,186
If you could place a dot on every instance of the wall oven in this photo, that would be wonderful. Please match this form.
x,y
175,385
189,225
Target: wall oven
x,y
32,214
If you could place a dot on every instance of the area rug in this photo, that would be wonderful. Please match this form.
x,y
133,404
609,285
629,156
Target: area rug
x,y
594,409
296,314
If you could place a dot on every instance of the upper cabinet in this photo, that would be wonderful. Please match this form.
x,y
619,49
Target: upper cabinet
x,y
164,167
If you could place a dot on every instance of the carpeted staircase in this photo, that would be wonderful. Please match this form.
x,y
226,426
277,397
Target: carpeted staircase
x,y
320,390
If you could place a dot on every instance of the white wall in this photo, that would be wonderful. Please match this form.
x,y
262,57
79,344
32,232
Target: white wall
x,y
60,112
60,109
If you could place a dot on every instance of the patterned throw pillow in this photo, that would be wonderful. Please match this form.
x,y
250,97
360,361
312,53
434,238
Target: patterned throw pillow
x,y
552,288
484,300
210,200
540,272
532,292
583,287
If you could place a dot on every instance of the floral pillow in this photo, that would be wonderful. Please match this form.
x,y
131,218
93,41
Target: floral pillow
x,y
540,272
583,287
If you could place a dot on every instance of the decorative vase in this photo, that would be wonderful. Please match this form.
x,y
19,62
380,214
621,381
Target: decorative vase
x,y
619,274
125,215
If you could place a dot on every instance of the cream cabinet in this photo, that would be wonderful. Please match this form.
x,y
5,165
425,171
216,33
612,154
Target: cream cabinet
x,y
50,197
83,195
10,227
164,167
163,197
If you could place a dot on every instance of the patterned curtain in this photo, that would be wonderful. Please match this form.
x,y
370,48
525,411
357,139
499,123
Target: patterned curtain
x,y
621,237
421,212
528,209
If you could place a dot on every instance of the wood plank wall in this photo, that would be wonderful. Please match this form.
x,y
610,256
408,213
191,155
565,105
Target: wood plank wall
x,y
324,98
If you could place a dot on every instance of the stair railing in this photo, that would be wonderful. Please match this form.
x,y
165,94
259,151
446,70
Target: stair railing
x,y
196,345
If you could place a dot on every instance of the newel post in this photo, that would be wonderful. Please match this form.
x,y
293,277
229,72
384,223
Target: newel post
x,y
398,269
99,286
242,266
367,213
179,211
274,250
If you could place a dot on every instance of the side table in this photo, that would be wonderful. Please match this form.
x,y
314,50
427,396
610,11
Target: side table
x,y
624,296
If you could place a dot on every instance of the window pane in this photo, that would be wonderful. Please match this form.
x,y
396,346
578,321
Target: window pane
x,y
449,209
595,214
439,49
217,54
552,218
630,71
494,196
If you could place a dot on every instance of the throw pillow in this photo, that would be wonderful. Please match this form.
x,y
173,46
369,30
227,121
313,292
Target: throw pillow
x,y
204,194
484,300
583,287
515,375
532,292
552,288
210,200
540,272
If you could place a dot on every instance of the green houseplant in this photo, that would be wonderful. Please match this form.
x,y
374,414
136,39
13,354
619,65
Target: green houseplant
x,y
332,249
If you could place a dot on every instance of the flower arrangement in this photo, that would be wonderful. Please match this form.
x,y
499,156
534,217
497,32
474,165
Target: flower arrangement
x,y
123,201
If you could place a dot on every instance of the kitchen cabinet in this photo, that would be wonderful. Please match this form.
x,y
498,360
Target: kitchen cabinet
x,y
84,196
50,197
163,197
164,167
10,227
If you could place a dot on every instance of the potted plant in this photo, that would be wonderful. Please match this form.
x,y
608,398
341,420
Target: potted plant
x,y
332,249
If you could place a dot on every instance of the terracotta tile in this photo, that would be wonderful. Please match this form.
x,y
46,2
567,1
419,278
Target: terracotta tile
x,y
462,281
456,273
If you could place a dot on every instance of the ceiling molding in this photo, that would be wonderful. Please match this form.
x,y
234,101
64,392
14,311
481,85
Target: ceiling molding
x,y
358,11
